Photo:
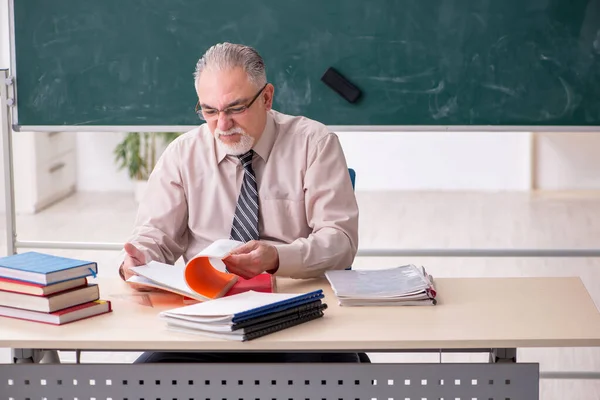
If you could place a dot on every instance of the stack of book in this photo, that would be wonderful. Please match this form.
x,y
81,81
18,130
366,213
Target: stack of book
x,y
407,285
46,288
246,316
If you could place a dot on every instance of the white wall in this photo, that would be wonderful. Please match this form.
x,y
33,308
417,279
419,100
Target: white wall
x,y
96,168
4,36
4,63
2,187
568,161
439,160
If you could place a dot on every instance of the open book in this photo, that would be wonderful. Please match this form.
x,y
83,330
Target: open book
x,y
203,277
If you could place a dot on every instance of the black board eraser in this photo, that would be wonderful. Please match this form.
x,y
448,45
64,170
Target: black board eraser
x,y
341,85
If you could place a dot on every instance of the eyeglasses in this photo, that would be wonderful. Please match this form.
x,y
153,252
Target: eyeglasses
x,y
208,114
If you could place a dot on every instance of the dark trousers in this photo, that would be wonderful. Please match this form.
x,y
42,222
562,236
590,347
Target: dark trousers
x,y
249,357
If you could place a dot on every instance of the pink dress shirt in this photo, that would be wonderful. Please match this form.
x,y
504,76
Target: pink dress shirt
x,y
307,207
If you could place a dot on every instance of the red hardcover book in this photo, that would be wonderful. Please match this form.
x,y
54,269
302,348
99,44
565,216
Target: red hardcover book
x,y
37,289
54,302
260,283
65,316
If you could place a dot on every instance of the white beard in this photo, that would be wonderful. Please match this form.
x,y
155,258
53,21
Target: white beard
x,y
236,149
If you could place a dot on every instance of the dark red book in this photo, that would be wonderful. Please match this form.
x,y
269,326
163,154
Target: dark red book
x,y
260,283
61,317
37,289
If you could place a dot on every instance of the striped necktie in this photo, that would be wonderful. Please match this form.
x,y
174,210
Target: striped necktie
x,y
245,219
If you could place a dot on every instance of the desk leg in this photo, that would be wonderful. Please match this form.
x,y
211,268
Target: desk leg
x,y
503,356
35,356
27,356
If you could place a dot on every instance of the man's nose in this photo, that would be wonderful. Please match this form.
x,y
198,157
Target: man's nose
x,y
224,122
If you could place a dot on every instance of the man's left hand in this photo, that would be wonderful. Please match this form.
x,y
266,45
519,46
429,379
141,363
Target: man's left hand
x,y
252,258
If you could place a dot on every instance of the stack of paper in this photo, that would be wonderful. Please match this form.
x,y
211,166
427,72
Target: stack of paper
x,y
247,315
406,285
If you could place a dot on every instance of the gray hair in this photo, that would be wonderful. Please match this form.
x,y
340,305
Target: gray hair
x,y
228,55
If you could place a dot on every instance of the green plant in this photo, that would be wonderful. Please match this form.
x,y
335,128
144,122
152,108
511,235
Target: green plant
x,y
137,152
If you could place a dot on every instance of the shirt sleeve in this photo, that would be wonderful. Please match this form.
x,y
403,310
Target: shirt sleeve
x,y
161,225
331,212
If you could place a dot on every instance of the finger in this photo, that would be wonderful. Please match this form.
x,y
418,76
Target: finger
x,y
127,273
235,267
240,260
242,272
246,247
245,265
135,254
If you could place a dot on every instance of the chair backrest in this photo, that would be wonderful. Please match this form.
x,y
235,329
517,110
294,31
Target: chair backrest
x,y
353,179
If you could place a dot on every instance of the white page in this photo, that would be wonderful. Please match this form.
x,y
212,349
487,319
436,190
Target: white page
x,y
221,335
168,276
231,305
204,320
372,283
219,327
140,280
422,294
352,303
218,250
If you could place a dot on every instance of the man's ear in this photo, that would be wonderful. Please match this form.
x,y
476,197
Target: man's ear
x,y
268,94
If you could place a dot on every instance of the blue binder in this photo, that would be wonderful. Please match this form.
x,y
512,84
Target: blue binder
x,y
278,306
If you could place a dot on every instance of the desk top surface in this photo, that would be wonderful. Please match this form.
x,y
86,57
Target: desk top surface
x,y
471,313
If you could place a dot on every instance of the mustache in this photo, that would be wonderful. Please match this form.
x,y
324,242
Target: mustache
x,y
230,132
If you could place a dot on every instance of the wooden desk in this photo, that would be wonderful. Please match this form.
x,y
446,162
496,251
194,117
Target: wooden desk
x,y
471,313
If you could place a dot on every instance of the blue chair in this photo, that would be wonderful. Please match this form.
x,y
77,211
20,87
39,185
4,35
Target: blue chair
x,y
353,180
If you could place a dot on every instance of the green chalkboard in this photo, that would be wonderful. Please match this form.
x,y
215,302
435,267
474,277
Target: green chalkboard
x,y
417,62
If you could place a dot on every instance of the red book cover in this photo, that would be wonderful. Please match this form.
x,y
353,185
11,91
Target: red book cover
x,y
23,283
260,283
65,316
37,289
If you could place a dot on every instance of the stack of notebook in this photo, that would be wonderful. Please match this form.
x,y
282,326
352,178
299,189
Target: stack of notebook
x,y
407,285
46,288
247,315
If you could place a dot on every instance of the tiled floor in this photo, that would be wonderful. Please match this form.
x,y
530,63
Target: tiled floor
x,y
400,220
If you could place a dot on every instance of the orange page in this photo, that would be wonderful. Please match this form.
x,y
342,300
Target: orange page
x,y
205,273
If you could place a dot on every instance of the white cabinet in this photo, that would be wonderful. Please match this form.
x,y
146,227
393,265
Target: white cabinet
x,y
44,168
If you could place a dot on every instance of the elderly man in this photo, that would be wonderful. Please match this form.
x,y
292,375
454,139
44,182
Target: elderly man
x,y
279,183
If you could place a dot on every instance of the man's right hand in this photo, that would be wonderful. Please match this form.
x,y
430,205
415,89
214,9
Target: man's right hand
x,y
133,258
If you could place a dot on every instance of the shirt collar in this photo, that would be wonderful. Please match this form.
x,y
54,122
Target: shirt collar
x,y
262,147
267,139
